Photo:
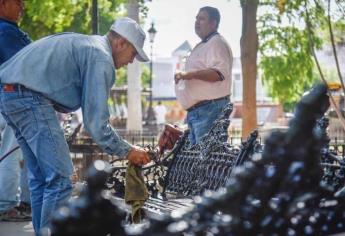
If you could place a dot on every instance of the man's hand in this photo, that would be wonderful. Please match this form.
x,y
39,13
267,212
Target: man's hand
x,y
138,156
179,76
182,75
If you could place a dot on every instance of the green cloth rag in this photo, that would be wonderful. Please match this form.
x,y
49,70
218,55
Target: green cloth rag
x,y
135,191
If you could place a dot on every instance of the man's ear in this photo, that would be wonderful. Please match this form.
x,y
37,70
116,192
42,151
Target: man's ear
x,y
122,44
214,24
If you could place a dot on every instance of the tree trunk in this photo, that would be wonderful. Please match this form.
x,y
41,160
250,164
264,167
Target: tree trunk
x,y
134,120
249,48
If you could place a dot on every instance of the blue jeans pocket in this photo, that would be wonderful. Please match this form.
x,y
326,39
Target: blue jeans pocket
x,y
201,120
34,120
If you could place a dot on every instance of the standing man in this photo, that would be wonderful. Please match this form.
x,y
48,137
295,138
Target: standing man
x,y
12,175
64,72
160,112
204,88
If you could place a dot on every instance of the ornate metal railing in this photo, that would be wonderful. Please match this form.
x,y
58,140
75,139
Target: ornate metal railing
x,y
333,165
189,170
277,193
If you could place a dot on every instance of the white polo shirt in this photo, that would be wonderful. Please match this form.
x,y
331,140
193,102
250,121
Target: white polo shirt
x,y
215,54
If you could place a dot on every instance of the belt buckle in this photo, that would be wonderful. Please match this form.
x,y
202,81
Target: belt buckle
x,y
8,88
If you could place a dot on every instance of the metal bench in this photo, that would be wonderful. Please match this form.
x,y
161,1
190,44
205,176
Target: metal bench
x,y
276,193
332,164
188,170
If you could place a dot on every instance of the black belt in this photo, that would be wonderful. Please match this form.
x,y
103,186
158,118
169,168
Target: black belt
x,y
13,87
202,103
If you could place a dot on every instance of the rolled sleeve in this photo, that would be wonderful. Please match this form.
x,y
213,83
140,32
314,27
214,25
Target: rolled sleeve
x,y
220,58
98,80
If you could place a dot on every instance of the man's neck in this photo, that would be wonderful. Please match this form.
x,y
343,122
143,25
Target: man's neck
x,y
8,20
210,35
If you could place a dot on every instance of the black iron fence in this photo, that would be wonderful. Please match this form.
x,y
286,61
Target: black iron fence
x,y
84,151
338,145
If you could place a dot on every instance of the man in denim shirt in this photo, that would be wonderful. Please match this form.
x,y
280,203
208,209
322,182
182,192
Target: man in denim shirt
x,y
12,39
65,72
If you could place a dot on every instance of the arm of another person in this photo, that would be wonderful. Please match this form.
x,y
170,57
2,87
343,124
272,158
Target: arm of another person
x,y
205,75
11,42
97,82
219,63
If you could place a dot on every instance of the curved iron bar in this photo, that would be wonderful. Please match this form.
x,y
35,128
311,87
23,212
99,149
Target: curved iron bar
x,y
162,169
8,153
333,166
189,170
158,169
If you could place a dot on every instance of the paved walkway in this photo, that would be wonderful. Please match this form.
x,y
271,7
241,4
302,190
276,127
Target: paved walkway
x,y
25,229
16,229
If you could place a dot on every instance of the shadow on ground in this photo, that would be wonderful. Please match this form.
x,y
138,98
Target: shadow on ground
x,y
16,229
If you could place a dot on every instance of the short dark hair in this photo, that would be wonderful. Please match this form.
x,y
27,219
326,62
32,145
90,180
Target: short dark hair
x,y
213,13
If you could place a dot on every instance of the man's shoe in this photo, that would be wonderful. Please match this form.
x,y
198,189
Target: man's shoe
x,y
24,207
14,215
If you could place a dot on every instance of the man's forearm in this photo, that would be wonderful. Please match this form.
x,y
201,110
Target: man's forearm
x,y
205,75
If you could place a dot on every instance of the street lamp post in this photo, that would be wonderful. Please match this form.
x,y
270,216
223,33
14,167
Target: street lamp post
x,y
151,119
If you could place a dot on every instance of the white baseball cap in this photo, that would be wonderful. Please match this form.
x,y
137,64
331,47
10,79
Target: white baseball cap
x,y
130,30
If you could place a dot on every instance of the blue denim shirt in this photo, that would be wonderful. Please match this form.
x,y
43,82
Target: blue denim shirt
x,y
12,39
73,71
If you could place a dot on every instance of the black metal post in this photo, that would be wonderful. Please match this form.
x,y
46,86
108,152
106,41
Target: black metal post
x,y
94,17
151,64
151,118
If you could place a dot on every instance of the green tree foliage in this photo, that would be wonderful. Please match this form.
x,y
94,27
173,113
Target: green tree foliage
x,y
338,27
339,33
46,17
121,77
286,61
145,77
52,16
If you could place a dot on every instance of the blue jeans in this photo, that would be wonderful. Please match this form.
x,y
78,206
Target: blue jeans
x,y
24,184
200,120
45,151
11,175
